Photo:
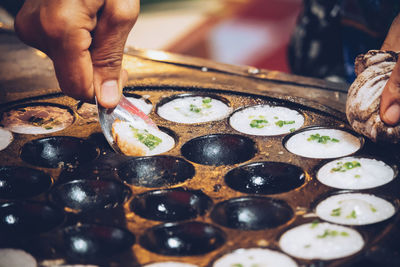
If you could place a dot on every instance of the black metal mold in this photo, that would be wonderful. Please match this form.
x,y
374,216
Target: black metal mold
x,y
183,239
86,195
92,241
156,171
22,218
22,182
265,178
171,204
56,151
219,149
252,213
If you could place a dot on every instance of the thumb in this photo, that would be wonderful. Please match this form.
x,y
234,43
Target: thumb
x,y
390,99
114,24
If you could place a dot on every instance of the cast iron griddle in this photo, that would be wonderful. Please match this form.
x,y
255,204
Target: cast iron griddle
x,y
73,200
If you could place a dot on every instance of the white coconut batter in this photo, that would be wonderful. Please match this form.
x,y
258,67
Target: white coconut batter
x,y
194,109
354,209
323,143
355,173
266,120
255,257
323,241
6,138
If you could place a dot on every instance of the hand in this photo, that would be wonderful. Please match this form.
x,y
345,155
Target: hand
x,y
85,40
390,99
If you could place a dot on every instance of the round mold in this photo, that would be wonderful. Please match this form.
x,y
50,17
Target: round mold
x,y
356,173
192,108
21,218
85,195
182,239
265,178
219,149
37,118
352,208
171,204
22,182
156,171
251,213
266,120
95,241
320,142
51,152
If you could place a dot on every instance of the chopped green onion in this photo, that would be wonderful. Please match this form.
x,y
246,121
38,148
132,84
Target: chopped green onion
x,y
343,167
258,123
373,209
146,138
314,223
281,123
332,233
194,108
336,212
292,130
352,215
322,139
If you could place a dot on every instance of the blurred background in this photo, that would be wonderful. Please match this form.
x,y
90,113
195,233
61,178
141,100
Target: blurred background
x,y
242,32
314,38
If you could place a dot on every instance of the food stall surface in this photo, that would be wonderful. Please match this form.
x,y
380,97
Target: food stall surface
x,y
219,189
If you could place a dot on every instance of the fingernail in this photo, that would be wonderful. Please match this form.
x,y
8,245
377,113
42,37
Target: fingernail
x,y
109,91
392,114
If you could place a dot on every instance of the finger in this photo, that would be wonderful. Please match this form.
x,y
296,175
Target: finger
x,y
62,29
392,40
113,27
390,99
27,25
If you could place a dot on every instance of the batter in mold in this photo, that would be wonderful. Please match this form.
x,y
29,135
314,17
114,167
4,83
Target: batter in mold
x,y
323,143
194,109
38,119
355,209
255,257
355,173
323,241
266,120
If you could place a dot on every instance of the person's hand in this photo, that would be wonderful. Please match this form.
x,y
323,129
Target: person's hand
x,y
390,99
85,40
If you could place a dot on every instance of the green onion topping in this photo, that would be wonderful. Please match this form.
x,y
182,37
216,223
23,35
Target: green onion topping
x,y
332,233
322,139
280,123
259,124
343,167
314,223
336,212
146,138
352,215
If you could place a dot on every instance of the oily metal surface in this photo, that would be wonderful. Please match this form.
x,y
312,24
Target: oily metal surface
x,y
48,246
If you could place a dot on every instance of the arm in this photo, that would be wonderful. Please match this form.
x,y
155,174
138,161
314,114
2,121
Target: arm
x,y
390,99
85,40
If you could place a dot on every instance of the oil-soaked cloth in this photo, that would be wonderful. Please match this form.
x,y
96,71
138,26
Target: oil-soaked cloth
x,y
373,70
